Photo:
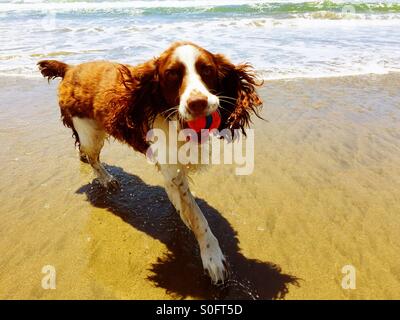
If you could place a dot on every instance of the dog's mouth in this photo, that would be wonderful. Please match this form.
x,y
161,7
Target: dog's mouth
x,y
208,122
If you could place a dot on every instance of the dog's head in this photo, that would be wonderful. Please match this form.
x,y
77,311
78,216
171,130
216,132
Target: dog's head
x,y
187,81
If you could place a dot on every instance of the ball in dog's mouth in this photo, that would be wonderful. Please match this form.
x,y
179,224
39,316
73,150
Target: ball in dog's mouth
x,y
209,122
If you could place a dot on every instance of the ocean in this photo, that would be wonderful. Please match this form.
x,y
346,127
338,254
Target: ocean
x,y
282,39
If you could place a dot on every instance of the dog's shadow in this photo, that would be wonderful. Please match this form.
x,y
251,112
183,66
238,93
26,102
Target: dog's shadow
x,y
180,271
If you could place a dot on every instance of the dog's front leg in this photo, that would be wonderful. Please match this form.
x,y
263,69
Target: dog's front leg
x,y
177,187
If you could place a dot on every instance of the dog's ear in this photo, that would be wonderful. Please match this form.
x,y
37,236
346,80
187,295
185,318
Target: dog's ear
x,y
237,88
137,108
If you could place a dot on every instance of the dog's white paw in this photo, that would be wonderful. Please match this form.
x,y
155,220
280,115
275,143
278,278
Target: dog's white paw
x,y
109,183
213,260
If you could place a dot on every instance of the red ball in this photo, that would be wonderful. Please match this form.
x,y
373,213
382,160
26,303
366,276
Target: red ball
x,y
212,121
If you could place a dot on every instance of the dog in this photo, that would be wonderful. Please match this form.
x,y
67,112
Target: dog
x,y
101,98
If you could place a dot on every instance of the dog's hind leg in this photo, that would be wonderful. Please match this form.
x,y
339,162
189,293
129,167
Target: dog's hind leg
x,y
177,187
67,121
91,139
82,155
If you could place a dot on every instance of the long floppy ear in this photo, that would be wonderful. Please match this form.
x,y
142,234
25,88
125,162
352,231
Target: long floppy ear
x,y
136,108
237,88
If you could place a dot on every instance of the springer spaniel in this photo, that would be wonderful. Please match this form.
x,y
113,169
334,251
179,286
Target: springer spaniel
x,y
100,99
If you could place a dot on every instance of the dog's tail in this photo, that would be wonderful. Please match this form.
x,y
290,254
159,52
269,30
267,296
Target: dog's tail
x,y
52,69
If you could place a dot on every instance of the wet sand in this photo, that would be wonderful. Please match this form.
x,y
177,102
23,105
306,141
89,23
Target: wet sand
x,y
324,194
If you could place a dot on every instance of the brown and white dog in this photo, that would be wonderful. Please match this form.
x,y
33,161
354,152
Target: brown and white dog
x,y
100,99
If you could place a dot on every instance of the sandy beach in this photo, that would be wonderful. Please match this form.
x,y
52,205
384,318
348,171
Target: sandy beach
x,y
324,194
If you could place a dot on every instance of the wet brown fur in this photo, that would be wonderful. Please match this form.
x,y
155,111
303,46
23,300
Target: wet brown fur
x,y
126,99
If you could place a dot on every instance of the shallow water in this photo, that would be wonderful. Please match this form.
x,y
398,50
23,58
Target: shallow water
x,y
283,39
324,194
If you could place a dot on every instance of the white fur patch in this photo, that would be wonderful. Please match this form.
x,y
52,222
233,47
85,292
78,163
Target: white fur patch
x,y
187,55
91,138
90,133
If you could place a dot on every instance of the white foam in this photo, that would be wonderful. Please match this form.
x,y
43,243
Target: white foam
x,y
316,75
43,5
63,6
21,75
301,46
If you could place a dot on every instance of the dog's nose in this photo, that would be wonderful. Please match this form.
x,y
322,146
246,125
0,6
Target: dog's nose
x,y
197,104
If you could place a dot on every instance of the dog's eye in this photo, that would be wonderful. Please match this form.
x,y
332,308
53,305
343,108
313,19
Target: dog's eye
x,y
172,74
